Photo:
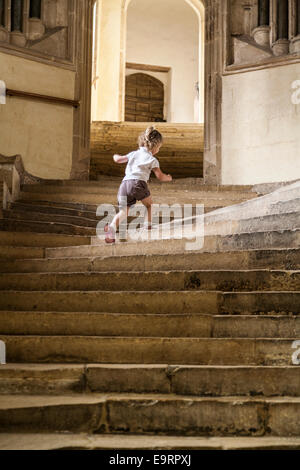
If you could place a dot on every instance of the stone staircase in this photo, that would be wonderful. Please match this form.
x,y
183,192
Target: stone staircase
x,y
146,344
181,154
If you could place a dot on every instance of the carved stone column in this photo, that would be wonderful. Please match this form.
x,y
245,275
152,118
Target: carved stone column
x,y
35,9
36,29
2,13
295,41
297,17
282,44
82,115
283,19
16,36
215,11
3,22
261,34
263,12
17,15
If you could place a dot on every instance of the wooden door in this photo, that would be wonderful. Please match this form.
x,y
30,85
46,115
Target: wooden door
x,y
144,98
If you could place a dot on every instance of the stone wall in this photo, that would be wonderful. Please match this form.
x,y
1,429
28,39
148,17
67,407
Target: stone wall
x,y
260,126
49,54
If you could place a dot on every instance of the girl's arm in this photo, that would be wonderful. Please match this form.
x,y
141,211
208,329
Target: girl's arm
x,y
120,158
161,176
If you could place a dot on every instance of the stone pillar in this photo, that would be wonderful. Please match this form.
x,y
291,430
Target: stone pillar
x,y
17,15
282,44
110,29
295,29
261,34
263,12
82,122
215,16
297,17
4,33
35,9
36,29
16,36
2,13
282,19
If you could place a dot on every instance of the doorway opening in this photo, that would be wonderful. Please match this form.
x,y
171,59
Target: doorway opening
x,y
161,39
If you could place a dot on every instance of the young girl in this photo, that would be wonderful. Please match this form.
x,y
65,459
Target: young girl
x,y
134,186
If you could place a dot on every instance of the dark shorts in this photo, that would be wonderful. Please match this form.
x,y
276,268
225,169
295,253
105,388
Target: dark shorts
x,y
131,191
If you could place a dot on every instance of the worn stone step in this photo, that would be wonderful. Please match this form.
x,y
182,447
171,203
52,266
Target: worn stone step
x,y
96,199
145,325
286,221
208,302
282,259
179,169
176,148
151,414
85,211
41,222
37,214
56,210
149,350
259,206
51,218
146,245
46,379
26,225
51,379
240,280
19,252
194,380
71,441
287,206
28,239
181,184
123,145
178,185
111,190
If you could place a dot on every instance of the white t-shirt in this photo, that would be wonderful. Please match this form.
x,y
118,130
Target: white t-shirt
x,y
140,164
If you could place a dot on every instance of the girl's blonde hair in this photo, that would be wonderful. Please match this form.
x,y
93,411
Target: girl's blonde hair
x,y
150,138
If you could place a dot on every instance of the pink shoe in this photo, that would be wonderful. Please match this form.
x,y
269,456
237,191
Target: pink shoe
x,y
110,236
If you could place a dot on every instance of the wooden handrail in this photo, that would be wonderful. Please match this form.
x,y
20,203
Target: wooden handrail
x,y
51,99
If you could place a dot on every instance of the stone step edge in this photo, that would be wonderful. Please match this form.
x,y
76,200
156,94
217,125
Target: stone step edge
x,y
69,441
155,338
133,256
169,291
211,237
35,401
154,272
40,367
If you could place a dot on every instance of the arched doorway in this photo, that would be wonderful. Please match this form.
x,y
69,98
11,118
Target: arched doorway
x,y
144,98
110,43
164,35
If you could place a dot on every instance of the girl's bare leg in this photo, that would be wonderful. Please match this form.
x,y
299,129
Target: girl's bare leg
x,y
119,217
148,204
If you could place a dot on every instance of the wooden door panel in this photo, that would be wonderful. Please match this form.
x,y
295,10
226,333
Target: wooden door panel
x,y
143,107
144,100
